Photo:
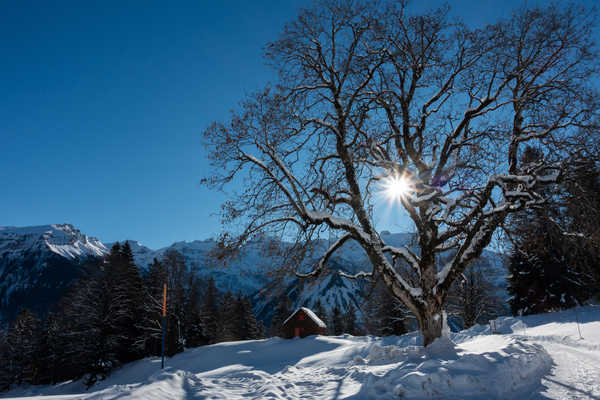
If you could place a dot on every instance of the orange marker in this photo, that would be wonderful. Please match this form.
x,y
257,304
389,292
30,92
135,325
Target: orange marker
x,y
164,314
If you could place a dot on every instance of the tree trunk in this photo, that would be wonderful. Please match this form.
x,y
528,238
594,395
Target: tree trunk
x,y
430,320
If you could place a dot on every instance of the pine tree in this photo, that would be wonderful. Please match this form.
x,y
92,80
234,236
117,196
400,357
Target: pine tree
x,y
230,323
249,326
210,312
5,367
338,321
135,303
281,313
23,342
51,346
151,325
125,305
83,332
581,220
194,327
322,314
262,329
350,320
177,273
554,248
541,276
319,310
115,314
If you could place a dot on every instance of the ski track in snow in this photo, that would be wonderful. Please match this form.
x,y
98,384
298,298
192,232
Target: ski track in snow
x,y
575,374
534,358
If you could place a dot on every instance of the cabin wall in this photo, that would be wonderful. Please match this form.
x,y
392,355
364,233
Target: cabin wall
x,y
305,326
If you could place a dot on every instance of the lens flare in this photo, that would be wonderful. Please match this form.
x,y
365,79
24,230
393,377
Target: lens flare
x,y
396,187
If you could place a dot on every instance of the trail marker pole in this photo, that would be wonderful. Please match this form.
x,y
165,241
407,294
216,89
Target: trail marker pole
x,y
577,320
164,326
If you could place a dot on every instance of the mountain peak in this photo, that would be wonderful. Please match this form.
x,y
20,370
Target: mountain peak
x,y
62,239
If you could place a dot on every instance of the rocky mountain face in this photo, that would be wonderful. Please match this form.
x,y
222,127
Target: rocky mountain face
x,y
37,264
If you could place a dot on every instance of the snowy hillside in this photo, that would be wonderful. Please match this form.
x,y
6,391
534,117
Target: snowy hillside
x,y
246,274
330,290
38,263
537,357
62,239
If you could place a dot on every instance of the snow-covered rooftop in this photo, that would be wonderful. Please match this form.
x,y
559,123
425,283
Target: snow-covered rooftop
x,y
310,314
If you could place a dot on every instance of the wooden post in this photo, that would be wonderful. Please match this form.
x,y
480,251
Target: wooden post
x,y
164,325
577,319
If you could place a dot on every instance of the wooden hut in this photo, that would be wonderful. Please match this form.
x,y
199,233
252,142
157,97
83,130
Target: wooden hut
x,y
303,322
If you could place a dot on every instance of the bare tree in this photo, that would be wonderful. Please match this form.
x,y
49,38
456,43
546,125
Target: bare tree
x,y
473,298
371,97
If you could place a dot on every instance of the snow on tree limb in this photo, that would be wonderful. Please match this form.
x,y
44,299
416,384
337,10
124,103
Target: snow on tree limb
x,y
321,264
370,92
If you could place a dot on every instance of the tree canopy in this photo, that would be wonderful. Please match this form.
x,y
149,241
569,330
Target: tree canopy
x,y
371,95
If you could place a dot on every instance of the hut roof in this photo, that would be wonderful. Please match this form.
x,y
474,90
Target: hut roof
x,y
310,314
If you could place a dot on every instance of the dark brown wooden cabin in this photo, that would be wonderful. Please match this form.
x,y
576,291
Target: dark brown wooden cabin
x,y
303,322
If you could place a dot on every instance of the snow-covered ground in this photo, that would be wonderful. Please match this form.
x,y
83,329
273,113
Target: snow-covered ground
x,y
538,357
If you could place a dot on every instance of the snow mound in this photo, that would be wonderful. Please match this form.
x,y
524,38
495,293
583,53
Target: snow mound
x,y
442,371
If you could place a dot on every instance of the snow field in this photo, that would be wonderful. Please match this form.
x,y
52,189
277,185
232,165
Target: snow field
x,y
541,357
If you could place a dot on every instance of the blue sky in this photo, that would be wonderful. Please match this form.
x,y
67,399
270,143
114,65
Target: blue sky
x,y
102,106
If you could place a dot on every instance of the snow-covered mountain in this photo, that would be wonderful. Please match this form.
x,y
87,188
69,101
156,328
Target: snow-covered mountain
x,y
247,273
62,239
38,263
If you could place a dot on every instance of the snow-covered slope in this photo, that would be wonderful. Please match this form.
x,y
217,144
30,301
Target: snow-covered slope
x,y
246,274
330,290
537,357
62,239
38,263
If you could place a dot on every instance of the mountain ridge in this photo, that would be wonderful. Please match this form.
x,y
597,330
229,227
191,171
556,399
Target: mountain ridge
x,y
43,260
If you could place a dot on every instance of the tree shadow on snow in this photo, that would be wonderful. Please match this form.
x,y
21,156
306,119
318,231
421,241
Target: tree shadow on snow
x,y
574,391
268,355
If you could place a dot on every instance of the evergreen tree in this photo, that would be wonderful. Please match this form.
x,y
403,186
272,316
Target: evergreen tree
x,y
151,325
135,303
177,273
210,312
262,329
350,320
249,326
51,346
338,321
322,314
194,327
5,367
125,304
553,262
83,332
281,313
319,310
581,221
23,342
541,277
231,321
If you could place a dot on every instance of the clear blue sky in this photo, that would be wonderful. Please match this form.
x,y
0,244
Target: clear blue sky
x,y
102,106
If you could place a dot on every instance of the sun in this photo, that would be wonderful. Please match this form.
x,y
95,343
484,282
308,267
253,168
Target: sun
x,y
396,187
